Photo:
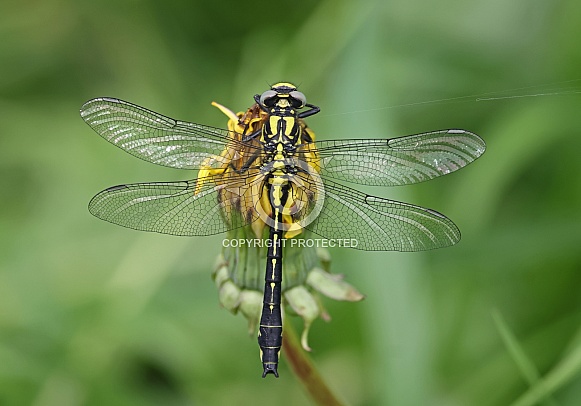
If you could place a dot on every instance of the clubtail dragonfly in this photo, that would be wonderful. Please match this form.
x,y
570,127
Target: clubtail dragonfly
x,y
275,175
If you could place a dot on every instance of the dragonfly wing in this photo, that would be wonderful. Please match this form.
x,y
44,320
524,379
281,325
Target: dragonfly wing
x,y
156,138
378,224
177,208
399,161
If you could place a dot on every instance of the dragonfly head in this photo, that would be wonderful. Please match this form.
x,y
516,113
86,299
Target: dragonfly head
x,y
283,95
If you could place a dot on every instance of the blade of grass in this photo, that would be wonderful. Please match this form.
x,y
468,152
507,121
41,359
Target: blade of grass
x,y
523,362
559,376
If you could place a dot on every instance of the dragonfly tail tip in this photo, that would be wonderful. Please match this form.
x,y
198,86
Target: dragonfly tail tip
x,y
269,369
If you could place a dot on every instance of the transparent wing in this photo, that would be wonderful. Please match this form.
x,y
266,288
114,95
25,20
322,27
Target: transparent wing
x,y
399,161
378,224
188,208
156,138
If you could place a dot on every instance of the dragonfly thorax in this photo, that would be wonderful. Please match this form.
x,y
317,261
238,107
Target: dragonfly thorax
x,y
281,129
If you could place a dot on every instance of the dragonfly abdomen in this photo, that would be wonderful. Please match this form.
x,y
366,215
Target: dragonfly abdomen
x,y
270,329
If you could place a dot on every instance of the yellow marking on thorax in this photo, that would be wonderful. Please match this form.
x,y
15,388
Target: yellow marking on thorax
x,y
278,160
273,121
290,123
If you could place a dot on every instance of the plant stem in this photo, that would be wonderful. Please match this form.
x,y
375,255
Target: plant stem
x,y
304,369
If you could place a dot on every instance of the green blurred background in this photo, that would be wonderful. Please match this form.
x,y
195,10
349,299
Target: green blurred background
x,y
94,314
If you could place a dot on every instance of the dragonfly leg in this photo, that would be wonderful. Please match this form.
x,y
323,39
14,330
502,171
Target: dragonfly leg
x,y
250,137
312,111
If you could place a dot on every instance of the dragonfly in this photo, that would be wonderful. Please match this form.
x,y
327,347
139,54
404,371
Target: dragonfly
x,y
274,176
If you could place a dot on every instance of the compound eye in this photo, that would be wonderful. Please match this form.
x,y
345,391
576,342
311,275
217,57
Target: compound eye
x,y
267,98
299,99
